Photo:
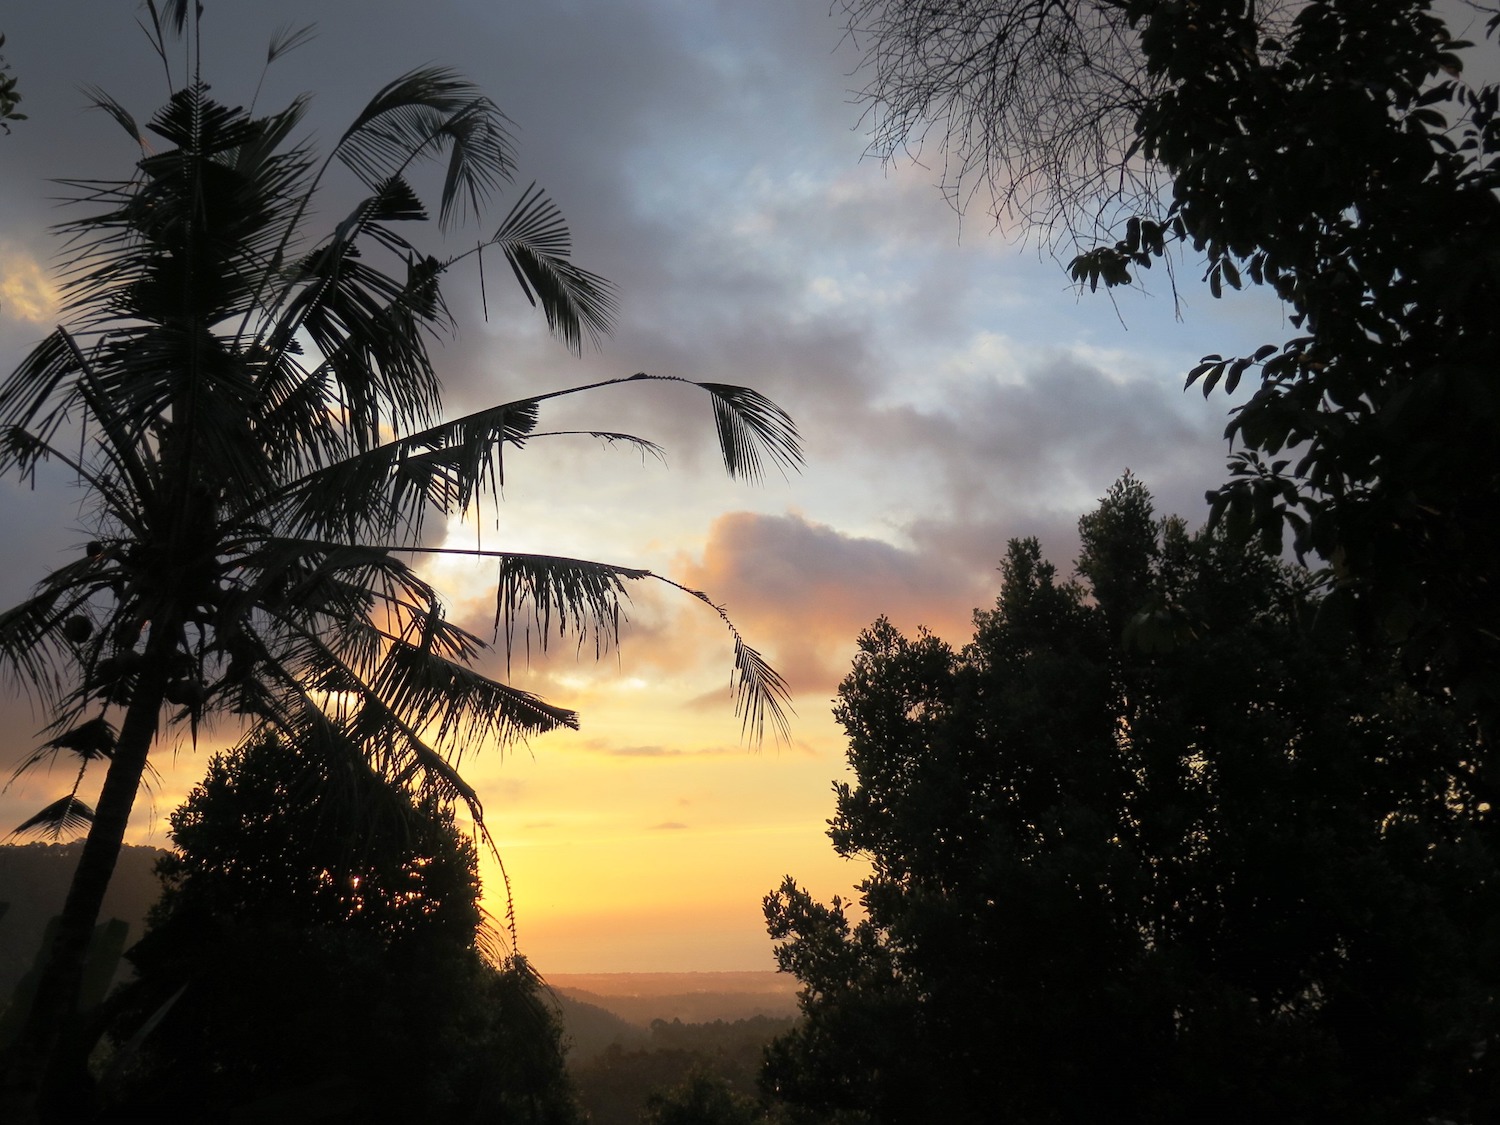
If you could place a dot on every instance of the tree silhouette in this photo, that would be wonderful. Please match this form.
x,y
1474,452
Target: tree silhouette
x,y
1330,151
10,97
303,943
252,410
1148,849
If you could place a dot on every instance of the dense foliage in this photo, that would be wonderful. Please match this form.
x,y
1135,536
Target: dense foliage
x,y
10,97
249,404
706,1071
1149,849
1329,150
306,964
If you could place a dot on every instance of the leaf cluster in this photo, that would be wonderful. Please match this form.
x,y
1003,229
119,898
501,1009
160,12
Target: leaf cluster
x,y
297,949
1152,847
1330,151
10,97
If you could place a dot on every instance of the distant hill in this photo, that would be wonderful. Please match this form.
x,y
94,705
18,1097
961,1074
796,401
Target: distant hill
x,y
591,1030
640,998
34,881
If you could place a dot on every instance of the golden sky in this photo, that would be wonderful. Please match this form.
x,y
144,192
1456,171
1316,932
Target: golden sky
x,y
952,390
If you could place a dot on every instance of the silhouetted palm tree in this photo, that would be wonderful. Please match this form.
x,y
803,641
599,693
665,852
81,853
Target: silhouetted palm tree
x,y
253,413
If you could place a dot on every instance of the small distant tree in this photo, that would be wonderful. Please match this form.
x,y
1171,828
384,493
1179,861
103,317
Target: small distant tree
x,y
301,947
1149,849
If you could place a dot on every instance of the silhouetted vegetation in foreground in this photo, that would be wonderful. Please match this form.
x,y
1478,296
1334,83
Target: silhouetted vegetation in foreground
x,y
1161,845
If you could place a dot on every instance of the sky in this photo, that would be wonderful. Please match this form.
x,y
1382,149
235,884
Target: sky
x,y
952,390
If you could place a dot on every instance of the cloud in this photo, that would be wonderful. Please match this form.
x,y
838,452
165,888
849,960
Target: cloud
x,y
668,825
663,751
27,292
804,590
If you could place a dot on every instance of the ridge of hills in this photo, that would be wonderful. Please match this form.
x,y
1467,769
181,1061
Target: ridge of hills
x,y
33,883
640,998
600,1007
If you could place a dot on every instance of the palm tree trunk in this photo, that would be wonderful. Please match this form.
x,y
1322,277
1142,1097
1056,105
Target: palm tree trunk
x,y
42,1055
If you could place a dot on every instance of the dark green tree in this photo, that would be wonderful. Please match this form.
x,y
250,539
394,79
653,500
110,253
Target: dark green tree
x,y
1148,849
702,1099
319,927
251,409
1328,150
10,97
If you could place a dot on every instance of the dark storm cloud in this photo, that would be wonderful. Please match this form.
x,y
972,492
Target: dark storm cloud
x,y
1006,448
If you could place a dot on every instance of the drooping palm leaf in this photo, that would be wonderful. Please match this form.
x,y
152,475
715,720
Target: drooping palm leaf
x,y
543,595
64,815
760,692
535,241
750,424
99,99
413,118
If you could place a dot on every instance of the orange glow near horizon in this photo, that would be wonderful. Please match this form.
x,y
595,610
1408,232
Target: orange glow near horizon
x,y
644,842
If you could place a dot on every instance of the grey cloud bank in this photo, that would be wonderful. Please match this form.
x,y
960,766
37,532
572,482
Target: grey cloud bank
x,y
705,157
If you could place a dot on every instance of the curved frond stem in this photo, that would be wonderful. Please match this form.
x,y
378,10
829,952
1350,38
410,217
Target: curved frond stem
x,y
553,594
447,464
760,692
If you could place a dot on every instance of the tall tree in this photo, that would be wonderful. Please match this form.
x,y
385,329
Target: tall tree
x,y
252,410
1329,150
1148,850
298,949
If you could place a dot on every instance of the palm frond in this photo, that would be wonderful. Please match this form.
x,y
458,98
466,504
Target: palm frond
x,y
176,11
93,738
443,467
534,238
31,397
100,99
750,424
89,740
414,118
542,594
462,706
760,692
32,646
386,743
288,37
66,814
369,327
446,467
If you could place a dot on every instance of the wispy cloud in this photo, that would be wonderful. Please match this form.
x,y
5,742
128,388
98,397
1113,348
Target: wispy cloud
x,y
27,292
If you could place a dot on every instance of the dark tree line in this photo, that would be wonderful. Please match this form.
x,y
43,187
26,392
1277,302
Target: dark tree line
x,y
1152,847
